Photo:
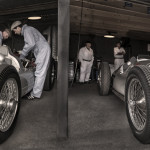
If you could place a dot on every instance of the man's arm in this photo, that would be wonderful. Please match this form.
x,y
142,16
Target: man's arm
x,y
115,51
80,55
123,51
92,56
29,43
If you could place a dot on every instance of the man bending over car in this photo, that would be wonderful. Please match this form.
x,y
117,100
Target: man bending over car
x,y
37,43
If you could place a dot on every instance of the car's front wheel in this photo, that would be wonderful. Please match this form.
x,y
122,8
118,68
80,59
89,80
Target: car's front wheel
x,y
9,101
137,96
104,78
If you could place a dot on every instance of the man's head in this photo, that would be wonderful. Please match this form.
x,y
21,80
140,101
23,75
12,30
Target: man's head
x,y
88,44
16,27
6,34
118,44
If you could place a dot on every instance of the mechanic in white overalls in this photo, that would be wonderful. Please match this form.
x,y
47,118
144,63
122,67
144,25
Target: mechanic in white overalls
x,y
86,58
37,43
119,53
4,35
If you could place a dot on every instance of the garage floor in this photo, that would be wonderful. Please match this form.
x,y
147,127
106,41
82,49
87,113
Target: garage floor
x,y
95,123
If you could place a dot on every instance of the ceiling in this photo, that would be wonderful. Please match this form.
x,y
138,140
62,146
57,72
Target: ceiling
x,y
94,17
122,18
12,10
17,4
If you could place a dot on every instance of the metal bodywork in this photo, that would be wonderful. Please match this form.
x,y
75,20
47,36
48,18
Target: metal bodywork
x,y
26,74
119,76
27,81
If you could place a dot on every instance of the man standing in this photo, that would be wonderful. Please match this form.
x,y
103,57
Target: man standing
x,y
119,53
86,58
4,35
37,43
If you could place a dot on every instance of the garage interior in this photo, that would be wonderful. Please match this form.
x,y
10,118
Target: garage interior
x,y
126,20
94,121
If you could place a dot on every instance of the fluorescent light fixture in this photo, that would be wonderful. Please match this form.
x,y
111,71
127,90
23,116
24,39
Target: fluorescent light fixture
x,y
109,36
34,18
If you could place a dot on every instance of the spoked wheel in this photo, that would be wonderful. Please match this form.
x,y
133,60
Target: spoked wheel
x,y
9,104
137,96
99,79
104,78
9,101
137,104
53,74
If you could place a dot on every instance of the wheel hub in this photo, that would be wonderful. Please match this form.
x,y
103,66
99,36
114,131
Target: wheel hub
x,y
12,105
8,103
137,104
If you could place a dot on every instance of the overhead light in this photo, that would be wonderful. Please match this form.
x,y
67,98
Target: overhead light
x,y
34,18
109,36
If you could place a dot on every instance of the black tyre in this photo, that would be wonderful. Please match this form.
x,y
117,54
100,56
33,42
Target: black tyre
x,y
104,78
137,97
77,75
71,71
10,93
50,77
54,42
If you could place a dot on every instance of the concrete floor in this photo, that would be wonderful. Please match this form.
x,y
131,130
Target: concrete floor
x,y
95,123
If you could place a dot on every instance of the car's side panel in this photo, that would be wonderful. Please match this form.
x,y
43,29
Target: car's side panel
x,y
119,79
119,83
27,81
2,66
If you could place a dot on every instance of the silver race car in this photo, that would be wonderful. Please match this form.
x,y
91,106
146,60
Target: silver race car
x,y
131,83
16,80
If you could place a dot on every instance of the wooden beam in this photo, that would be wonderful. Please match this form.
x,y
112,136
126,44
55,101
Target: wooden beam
x,y
97,19
88,30
141,2
29,8
106,6
117,25
111,26
132,34
118,16
102,16
110,15
63,63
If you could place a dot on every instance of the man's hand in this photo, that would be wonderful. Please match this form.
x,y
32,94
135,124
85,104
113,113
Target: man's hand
x,y
22,57
23,62
19,52
120,53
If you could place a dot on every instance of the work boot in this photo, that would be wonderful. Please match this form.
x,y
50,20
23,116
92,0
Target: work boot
x,y
31,97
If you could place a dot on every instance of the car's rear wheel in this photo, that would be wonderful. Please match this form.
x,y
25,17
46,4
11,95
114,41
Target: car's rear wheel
x,y
9,101
104,78
137,96
50,77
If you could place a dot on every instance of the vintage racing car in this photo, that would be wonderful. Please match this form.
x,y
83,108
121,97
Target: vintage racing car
x,y
16,80
131,83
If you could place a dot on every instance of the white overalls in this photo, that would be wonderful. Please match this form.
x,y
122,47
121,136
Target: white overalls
x,y
37,43
86,58
119,60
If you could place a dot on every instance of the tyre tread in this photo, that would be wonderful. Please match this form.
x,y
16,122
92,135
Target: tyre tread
x,y
105,78
142,72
